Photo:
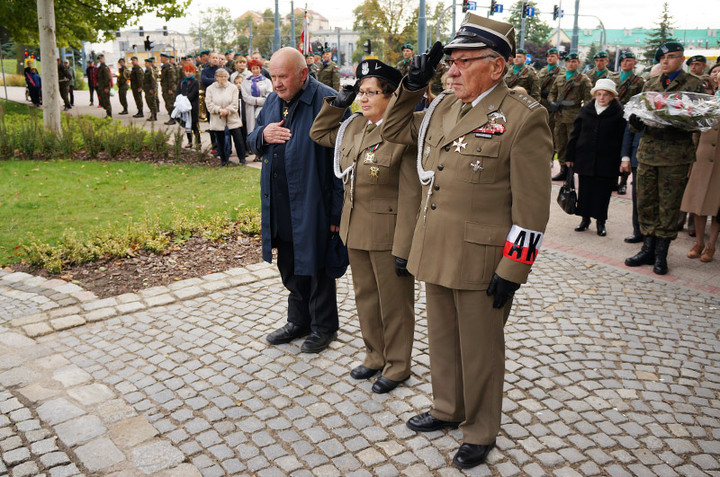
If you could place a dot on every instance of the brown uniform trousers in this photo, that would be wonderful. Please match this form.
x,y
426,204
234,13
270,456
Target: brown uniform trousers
x,y
489,195
378,219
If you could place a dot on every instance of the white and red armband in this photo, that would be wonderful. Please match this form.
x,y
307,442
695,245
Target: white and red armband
x,y
522,245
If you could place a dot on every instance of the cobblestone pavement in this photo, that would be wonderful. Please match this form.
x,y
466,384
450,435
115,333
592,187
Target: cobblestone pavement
x,y
608,373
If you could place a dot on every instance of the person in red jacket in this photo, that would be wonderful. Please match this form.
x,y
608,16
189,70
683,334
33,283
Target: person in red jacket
x,y
92,77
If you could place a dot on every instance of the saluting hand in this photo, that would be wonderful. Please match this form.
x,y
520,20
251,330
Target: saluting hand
x,y
422,68
274,133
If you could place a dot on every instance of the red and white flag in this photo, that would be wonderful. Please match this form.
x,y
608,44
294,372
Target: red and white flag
x,y
304,43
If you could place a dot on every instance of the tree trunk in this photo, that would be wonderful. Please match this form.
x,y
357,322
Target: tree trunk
x,y
48,52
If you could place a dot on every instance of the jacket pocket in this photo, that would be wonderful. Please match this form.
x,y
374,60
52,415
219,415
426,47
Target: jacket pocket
x,y
481,161
482,250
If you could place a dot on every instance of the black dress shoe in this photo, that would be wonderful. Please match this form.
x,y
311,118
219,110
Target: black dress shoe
x,y
124,111
384,385
427,423
601,231
139,115
633,238
584,224
317,342
470,455
171,121
286,334
363,372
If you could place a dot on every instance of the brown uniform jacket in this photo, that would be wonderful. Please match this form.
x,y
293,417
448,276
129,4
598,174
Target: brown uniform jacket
x,y
380,212
491,181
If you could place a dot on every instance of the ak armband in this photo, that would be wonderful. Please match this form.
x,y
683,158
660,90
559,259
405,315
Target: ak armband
x,y
522,245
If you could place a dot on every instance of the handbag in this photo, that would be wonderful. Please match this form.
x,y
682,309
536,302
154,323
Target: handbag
x,y
567,197
336,256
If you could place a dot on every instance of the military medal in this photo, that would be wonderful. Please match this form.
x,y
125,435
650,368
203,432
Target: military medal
x,y
459,144
374,172
476,167
370,155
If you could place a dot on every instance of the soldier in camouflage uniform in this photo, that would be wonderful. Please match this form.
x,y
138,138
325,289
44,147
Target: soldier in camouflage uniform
x,y
122,84
229,61
628,85
136,81
436,84
64,83
104,85
317,63
168,84
149,85
567,95
664,158
329,73
408,50
697,65
523,75
546,78
600,71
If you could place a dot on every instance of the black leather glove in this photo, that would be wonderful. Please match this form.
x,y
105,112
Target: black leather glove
x,y
636,122
553,106
401,267
502,289
544,94
345,96
422,68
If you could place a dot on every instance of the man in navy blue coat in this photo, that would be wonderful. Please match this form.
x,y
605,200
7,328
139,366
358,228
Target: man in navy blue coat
x,y
301,200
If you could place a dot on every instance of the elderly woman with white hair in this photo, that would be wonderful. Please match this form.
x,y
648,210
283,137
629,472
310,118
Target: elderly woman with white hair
x,y
221,99
594,153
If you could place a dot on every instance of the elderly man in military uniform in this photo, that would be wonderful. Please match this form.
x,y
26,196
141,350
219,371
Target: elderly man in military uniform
x,y
168,84
600,71
628,85
408,50
697,65
567,95
104,85
664,158
122,84
484,151
329,73
136,85
149,86
523,75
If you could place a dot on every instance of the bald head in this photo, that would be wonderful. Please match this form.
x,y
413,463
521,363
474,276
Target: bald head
x,y
288,71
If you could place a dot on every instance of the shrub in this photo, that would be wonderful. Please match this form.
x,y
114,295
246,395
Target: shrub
x,y
13,80
91,141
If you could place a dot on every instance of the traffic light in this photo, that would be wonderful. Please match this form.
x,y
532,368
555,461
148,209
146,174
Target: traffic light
x,y
117,33
556,12
148,44
367,47
465,5
27,54
524,9
493,7
141,32
165,32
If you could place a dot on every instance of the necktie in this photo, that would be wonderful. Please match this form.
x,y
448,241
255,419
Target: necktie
x,y
369,128
464,110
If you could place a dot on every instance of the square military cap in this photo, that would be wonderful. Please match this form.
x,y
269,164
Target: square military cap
x,y
377,69
477,32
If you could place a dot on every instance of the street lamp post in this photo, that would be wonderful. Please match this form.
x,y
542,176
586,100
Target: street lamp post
x,y
422,28
276,39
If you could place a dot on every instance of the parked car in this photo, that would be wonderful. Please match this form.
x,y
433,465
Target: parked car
x,y
347,72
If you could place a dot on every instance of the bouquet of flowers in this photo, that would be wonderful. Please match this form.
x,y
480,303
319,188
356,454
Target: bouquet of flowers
x,y
680,109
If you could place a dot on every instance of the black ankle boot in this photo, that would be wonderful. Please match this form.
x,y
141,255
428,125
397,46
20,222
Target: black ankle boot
x,y
562,175
584,224
662,246
601,228
646,255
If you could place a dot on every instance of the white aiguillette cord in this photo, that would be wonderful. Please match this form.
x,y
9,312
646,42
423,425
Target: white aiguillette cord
x,y
427,178
350,170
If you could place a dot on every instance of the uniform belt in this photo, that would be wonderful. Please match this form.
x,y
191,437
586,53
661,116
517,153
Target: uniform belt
x,y
567,103
668,134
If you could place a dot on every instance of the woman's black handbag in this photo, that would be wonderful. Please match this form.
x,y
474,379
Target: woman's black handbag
x,y
567,198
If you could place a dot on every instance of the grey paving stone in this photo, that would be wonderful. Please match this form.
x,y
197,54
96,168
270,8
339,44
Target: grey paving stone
x,y
156,456
79,430
58,410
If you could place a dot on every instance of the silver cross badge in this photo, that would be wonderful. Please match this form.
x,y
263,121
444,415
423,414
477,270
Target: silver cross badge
x,y
459,144
476,167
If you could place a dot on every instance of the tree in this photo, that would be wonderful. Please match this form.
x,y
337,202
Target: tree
x,y
83,20
384,22
536,30
217,28
433,16
661,35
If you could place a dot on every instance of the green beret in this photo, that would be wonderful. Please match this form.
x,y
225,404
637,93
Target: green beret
x,y
552,51
149,59
327,50
164,55
308,55
699,58
627,54
521,51
572,56
237,54
190,56
227,52
100,56
205,52
409,46
668,47
133,57
600,54
317,53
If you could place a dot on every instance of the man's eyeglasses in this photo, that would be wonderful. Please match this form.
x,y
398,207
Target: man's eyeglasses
x,y
369,94
461,63
672,57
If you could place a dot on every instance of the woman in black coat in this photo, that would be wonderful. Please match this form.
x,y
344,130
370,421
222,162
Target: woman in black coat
x,y
594,153
190,88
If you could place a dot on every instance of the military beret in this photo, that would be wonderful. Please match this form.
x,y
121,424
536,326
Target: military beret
x,y
100,56
183,58
378,69
227,52
478,32
133,57
317,53
668,47
627,54
552,51
409,46
164,55
521,51
600,54
237,54
149,59
205,52
189,57
327,50
572,56
699,58
308,55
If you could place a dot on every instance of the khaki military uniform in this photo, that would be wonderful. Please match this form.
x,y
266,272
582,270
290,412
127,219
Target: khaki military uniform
x,y
149,86
122,84
664,158
104,85
593,76
526,78
329,74
378,218
168,83
483,211
546,78
632,85
571,95
136,84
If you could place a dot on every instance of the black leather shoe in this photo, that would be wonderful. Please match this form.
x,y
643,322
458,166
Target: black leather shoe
x,y
124,111
583,226
384,385
633,238
426,423
601,231
317,342
363,372
171,121
470,455
286,334
139,115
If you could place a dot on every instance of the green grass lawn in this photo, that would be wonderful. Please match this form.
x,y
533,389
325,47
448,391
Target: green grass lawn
x,y
45,198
